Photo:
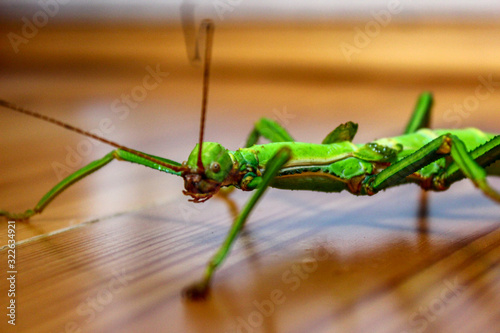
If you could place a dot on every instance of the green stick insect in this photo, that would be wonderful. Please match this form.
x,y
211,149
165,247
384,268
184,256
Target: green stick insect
x,y
433,159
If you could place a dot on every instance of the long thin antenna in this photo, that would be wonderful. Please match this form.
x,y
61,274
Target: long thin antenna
x,y
208,25
16,108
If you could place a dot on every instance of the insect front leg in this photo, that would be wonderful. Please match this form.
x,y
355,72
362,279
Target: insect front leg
x,y
199,290
118,154
268,129
60,187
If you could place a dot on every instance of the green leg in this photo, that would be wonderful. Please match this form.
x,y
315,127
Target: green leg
x,y
270,130
444,145
397,172
484,155
421,118
199,290
470,165
83,172
421,114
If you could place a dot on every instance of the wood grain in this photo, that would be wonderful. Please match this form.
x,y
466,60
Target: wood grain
x,y
112,253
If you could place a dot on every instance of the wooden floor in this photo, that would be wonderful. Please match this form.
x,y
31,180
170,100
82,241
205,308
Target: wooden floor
x,y
112,253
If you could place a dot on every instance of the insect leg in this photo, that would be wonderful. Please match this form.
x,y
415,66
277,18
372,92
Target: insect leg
x,y
469,164
56,190
397,172
270,130
85,171
484,155
421,116
444,145
199,290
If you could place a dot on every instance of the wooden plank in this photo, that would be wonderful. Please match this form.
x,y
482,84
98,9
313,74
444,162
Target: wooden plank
x,y
113,252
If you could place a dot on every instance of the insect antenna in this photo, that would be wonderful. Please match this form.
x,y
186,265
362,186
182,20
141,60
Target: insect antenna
x,y
208,26
54,121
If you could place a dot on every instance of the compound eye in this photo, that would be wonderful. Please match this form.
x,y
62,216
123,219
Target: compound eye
x,y
215,167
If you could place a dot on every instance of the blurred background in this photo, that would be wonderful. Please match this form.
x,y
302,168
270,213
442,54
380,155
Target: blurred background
x,y
404,44
258,10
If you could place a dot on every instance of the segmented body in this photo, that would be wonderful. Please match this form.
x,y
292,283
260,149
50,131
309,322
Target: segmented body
x,y
344,166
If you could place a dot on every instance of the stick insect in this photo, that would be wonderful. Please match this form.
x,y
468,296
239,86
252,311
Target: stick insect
x,y
432,159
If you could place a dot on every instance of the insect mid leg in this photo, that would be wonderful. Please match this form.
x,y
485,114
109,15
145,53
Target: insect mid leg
x,y
270,130
118,154
444,145
421,116
397,172
484,155
471,165
199,290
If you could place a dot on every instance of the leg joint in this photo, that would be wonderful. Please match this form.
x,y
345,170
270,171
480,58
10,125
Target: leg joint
x,y
366,186
445,147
